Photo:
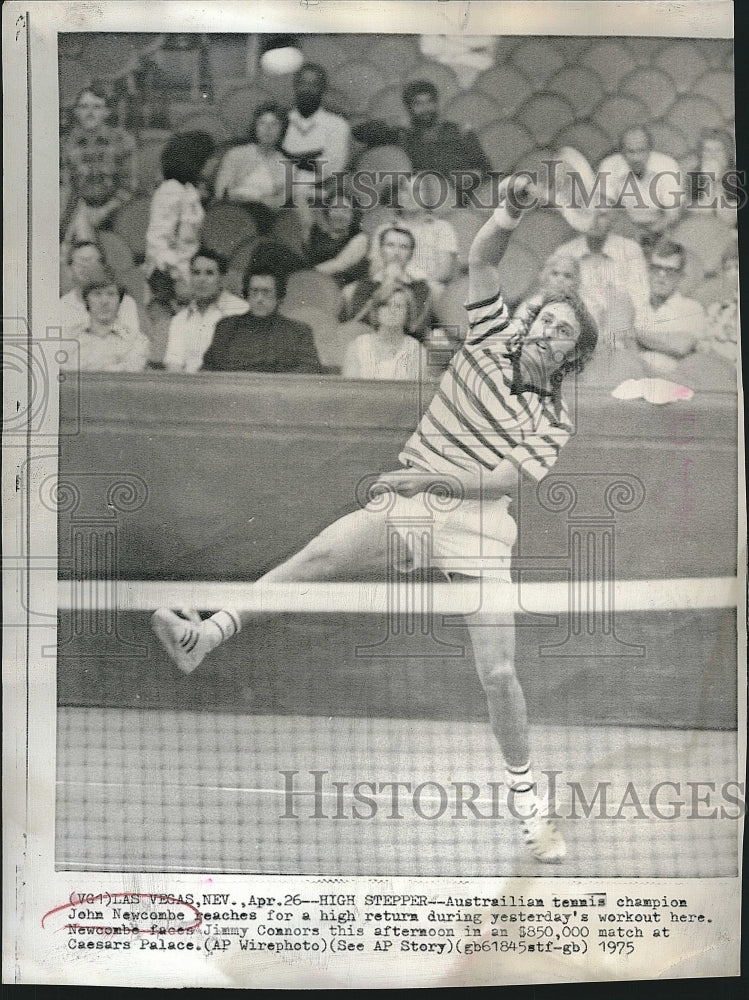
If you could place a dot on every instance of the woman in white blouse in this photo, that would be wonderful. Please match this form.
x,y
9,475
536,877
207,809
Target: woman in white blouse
x,y
176,220
255,174
388,352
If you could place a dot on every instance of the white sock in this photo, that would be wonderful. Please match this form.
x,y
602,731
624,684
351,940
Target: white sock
x,y
521,788
228,624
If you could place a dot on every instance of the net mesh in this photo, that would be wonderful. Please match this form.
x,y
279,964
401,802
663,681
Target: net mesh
x,y
161,790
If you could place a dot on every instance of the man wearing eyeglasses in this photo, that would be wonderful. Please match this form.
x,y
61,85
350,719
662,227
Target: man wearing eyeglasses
x,y
673,323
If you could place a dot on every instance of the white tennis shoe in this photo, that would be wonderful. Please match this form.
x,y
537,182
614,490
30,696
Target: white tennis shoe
x,y
543,838
184,638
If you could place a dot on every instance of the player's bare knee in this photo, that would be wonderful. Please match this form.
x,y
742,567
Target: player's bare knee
x,y
499,679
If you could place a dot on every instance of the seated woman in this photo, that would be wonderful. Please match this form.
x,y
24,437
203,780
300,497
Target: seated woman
x,y
256,174
388,352
336,245
712,175
176,219
105,344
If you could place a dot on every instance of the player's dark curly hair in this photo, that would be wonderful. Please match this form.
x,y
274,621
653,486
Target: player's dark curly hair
x,y
586,342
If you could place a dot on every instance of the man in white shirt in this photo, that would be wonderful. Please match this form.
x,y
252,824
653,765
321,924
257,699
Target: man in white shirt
x,y
317,140
86,261
646,183
191,330
674,324
613,270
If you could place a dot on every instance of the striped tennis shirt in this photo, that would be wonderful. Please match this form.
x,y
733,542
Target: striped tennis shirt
x,y
482,412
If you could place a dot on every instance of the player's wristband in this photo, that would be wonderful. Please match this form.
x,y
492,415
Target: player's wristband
x,y
503,219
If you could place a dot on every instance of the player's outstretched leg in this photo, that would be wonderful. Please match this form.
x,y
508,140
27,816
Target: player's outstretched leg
x,y
493,641
354,545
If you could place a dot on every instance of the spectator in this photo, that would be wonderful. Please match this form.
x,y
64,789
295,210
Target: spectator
x,y
191,330
255,175
722,318
710,183
560,275
104,343
336,245
435,254
674,324
388,352
262,340
646,183
316,140
395,252
612,269
430,142
174,228
97,169
86,260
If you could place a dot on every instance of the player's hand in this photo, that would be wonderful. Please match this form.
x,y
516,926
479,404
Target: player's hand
x,y
519,193
406,482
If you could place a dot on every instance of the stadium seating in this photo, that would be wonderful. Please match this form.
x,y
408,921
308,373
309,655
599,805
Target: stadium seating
x,y
653,87
694,115
378,160
387,105
612,61
669,139
206,122
580,86
684,63
544,115
226,227
131,223
471,110
506,86
541,232
236,109
329,51
74,76
117,253
703,235
538,59
288,230
617,114
324,331
311,289
504,143
466,222
151,143
358,81
717,86
393,54
588,138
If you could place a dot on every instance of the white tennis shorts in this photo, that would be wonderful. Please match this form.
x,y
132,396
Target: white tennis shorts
x,y
459,536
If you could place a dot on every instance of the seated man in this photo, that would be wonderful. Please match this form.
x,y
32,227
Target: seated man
x,y
317,141
104,343
646,183
435,252
559,274
673,324
431,142
612,269
261,340
191,330
85,261
396,250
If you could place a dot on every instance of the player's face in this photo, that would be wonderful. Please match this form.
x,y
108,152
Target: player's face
x,y
268,130
396,249
205,279
103,303
665,274
550,341
91,111
83,263
261,295
423,110
636,151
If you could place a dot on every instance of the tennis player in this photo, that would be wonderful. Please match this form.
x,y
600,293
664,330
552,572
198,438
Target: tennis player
x,y
497,414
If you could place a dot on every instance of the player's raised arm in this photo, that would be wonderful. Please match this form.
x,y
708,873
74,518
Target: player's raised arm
x,y
517,194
